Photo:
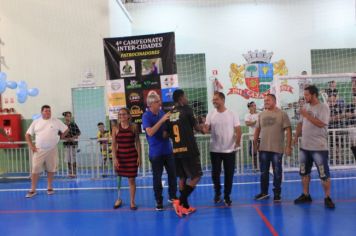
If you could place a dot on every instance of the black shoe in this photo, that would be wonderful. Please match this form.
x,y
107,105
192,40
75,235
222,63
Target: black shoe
x,y
261,196
329,203
159,206
227,201
277,198
303,199
217,198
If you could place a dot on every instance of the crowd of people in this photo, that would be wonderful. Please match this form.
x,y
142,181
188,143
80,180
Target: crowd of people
x,y
342,118
342,114
172,146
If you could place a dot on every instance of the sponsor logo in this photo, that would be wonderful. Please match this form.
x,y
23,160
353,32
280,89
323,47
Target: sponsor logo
x,y
134,97
133,84
152,92
181,149
168,82
127,68
114,109
174,116
149,83
169,94
115,86
138,120
136,111
116,98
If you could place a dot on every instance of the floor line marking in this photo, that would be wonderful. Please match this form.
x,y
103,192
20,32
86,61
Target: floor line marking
x,y
152,209
149,187
266,221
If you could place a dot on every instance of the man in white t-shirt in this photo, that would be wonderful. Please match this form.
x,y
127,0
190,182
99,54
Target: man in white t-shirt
x,y
45,152
251,120
225,130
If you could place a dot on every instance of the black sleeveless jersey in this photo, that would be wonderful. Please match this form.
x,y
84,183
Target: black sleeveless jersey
x,y
181,129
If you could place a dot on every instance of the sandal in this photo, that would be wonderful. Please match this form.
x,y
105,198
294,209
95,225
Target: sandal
x,y
133,208
50,191
118,203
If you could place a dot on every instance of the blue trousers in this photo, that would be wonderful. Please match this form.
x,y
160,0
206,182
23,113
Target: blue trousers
x,y
266,158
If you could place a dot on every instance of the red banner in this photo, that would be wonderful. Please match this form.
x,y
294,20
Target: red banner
x,y
246,93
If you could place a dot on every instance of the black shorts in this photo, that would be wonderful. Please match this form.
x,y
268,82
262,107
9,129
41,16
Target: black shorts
x,y
188,167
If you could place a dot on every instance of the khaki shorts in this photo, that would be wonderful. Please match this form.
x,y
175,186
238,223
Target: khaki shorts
x,y
45,158
70,154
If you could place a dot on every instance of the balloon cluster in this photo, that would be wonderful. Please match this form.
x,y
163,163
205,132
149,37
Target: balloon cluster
x,y
22,91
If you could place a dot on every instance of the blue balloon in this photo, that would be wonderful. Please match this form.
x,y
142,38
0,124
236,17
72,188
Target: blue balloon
x,y
2,85
36,116
22,84
2,76
22,99
33,92
11,84
21,95
21,92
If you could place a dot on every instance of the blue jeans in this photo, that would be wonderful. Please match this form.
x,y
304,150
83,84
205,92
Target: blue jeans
x,y
166,161
320,158
265,159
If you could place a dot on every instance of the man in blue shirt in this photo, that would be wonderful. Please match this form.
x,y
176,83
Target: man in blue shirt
x,y
160,149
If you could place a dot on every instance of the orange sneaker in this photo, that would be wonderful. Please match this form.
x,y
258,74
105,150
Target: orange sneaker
x,y
187,211
177,207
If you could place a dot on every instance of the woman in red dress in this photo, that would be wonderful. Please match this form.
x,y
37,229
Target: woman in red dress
x,y
126,154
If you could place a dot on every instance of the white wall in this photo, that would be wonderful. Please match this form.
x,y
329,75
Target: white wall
x,y
52,44
226,29
120,19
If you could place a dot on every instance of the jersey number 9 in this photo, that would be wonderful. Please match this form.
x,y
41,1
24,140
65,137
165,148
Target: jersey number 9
x,y
176,133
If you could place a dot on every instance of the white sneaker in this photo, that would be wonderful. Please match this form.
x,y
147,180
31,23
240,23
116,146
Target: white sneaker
x,y
30,194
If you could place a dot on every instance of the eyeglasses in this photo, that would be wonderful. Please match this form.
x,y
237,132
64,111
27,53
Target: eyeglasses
x,y
123,114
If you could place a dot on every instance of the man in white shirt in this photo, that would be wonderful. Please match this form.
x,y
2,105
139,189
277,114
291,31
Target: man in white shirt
x,y
45,152
251,121
225,130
